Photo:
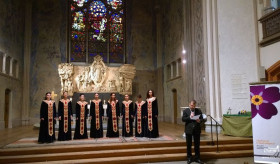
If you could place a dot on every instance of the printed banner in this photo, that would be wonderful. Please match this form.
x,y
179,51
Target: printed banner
x,y
265,107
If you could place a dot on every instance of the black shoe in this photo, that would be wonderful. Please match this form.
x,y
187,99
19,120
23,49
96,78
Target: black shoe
x,y
189,161
198,161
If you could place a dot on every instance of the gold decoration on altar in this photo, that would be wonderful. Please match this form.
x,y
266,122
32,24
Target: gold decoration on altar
x,y
96,78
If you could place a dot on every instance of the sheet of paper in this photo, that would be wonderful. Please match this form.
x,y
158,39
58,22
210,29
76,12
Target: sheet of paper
x,y
195,117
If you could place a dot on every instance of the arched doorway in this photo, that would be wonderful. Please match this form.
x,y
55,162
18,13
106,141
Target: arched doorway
x,y
7,107
273,72
174,91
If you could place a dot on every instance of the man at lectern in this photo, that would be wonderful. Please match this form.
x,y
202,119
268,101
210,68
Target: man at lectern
x,y
192,117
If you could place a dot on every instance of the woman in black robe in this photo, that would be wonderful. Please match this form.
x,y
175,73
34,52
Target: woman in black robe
x,y
47,120
64,117
113,113
140,117
81,121
152,111
127,117
96,117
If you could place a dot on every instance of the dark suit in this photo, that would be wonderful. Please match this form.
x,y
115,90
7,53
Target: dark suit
x,y
192,128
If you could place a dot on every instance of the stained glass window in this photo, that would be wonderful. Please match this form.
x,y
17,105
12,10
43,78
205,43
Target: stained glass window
x,y
97,28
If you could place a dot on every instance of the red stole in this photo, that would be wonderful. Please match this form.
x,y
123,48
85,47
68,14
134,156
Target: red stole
x,y
126,105
82,116
50,116
96,103
139,118
150,113
65,114
114,115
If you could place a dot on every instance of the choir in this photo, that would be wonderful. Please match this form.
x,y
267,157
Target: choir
x,y
143,113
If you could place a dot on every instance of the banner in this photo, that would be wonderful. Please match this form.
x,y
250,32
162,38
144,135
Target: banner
x,y
265,107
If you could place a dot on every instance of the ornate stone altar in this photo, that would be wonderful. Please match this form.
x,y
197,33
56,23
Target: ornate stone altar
x,y
96,78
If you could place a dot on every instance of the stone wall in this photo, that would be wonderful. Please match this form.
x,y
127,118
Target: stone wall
x,y
181,29
237,52
49,42
48,49
11,44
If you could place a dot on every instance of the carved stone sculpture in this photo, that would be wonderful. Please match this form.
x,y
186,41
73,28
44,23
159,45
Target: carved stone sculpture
x,y
96,78
65,71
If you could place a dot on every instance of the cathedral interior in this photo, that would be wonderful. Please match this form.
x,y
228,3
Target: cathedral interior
x,y
185,49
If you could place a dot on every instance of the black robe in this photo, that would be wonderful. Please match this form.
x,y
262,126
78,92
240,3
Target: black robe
x,y
143,119
62,135
152,133
94,132
78,129
110,131
44,133
126,133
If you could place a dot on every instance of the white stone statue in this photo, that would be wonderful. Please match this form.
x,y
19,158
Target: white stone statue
x,y
128,86
97,73
65,71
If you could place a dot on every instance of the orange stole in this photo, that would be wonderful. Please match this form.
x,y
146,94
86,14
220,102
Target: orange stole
x,y
65,114
139,118
97,114
127,126
150,113
114,116
50,117
82,117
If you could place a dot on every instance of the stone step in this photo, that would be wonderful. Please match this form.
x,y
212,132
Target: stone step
x,y
130,152
112,146
155,158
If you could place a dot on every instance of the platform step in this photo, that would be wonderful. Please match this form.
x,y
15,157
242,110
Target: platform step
x,y
155,158
112,146
130,152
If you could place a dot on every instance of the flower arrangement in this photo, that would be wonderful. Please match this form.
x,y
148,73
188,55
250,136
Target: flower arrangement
x,y
243,112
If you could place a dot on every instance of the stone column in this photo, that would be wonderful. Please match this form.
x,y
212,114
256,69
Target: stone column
x,y
188,67
4,63
177,68
171,71
26,67
11,67
212,65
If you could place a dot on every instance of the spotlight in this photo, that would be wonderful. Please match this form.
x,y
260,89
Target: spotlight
x,y
184,61
184,51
